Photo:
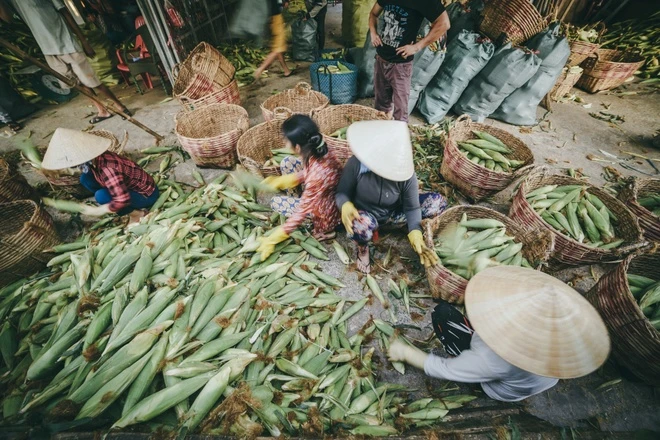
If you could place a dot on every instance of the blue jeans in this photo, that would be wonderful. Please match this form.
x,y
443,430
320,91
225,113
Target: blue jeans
x,y
103,197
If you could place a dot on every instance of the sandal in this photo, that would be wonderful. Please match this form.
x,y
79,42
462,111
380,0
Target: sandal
x,y
362,266
325,236
97,119
14,126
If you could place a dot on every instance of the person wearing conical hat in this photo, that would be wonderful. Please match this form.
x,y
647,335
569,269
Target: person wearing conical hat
x,y
118,184
379,187
526,330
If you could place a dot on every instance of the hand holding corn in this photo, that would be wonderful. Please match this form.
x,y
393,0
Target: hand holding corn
x,y
96,211
399,351
426,256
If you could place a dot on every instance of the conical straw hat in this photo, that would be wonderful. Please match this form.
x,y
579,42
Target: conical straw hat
x,y
384,147
536,322
69,148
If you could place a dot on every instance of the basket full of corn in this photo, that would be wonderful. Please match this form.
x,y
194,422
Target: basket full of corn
x,y
628,299
590,226
642,197
261,148
481,160
469,239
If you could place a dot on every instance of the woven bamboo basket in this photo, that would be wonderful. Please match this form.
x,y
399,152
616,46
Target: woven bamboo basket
x,y
228,94
25,231
190,85
635,342
567,250
208,61
12,184
475,181
607,69
69,180
299,100
649,222
446,285
334,117
210,134
564,84
514,21
580,51
255,145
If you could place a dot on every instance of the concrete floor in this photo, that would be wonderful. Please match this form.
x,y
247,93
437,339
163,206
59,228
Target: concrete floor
x,y
567,135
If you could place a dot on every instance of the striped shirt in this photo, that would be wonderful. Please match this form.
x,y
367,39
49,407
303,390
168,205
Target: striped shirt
x,y
120,176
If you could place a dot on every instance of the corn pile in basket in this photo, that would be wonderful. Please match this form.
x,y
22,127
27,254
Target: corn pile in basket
x,y
651,202
340,134
177,315
278,155
647,293
489,152
472,245
572,211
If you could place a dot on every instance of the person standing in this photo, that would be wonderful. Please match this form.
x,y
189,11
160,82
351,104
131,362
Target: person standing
x,y
396,47
277,39
54,27
317,9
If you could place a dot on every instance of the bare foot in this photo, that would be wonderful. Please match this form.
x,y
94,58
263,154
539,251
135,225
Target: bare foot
x,y
362,260
323,236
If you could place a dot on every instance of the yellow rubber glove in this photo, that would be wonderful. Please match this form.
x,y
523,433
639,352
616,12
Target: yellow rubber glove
x,y
286,181
267,243
399,351
348,214
426,255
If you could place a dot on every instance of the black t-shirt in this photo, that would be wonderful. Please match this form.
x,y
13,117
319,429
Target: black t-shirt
x,y
402,20
275,7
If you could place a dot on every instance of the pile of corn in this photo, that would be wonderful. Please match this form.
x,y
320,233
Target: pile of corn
x,y
19,35
279,154
589,34
472,245
246,59
651,202
338,54
334,69
639,35
571,210
177,315
489,152
340,134
647,293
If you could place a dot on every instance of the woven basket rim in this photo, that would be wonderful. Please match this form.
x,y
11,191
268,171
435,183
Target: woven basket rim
x,y
183,116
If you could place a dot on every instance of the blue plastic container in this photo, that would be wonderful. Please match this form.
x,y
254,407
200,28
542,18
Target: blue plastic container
x,y
340,88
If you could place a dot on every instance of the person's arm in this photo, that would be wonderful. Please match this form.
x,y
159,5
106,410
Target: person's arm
x,y
113,181
439,28
411,207
6,13
71,22
347,182
318,5
467,367
314,186
373,24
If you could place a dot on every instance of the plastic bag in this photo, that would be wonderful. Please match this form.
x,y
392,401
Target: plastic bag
x,y
12,102
519,108
466,55
508,69
355,21
250,19
425,65
463,17
303,40
365,60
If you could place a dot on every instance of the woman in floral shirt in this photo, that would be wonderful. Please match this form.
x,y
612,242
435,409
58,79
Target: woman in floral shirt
x,y
318,170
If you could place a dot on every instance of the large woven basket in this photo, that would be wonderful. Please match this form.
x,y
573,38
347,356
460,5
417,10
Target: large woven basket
x,y
635,342
567,250
210,134
195,89
255,145
564,84
69,181
207,60
514,21
12,184
607,69
446,285
299,100
649,222
25,231
580,51
475,181
334,117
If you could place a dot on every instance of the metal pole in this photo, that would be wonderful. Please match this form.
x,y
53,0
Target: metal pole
x,y
168,36
161,46
82,90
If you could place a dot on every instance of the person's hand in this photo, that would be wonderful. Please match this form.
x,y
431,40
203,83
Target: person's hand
x,y
286,181
267,243
426,255
399,351
89,50
96,211
348,214
375,39
408,50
